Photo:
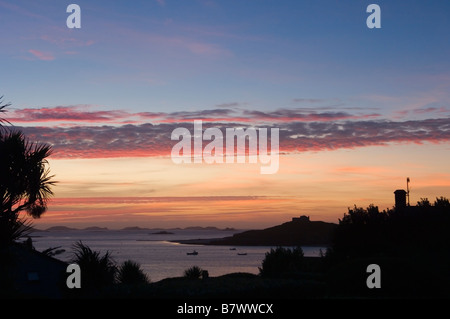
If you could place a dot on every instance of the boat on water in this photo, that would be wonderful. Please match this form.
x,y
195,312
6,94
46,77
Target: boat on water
x,y
193,253
242,254
232,248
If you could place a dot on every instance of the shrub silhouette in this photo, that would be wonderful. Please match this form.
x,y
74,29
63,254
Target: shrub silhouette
x,y
442,202
194,272
25,183
130,272
282,261
25,186
96,271
416,236
365,232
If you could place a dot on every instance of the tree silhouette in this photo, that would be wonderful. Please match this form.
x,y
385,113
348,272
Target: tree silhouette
x,y
424,202
408,243
281,261
97,271
194,272
442,202
366,232
2,110
25,182
130,272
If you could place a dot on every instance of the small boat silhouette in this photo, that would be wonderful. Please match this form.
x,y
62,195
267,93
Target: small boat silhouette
x,y
242,254
192,253
232,248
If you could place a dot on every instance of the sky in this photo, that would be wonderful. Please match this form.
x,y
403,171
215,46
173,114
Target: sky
x,y
358,109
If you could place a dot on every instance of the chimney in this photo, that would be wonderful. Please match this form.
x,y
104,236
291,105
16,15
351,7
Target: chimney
x,y
400,198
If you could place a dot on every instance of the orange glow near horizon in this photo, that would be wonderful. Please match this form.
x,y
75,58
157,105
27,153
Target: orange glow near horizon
x,y
155,192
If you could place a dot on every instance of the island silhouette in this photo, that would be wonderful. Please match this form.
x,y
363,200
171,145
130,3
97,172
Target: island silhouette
x,y
300,231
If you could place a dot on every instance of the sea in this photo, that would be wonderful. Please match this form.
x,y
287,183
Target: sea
x,y
158,253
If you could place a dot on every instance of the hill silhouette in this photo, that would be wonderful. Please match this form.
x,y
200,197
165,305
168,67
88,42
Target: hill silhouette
x,y
65,228
162,232
299,232
133,228
96,228
60,228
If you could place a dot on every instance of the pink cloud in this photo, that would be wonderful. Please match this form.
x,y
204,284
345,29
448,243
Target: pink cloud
x,y
20,10
116,133
148,140
42,55
62,40
441,109
139,200
80,114
194,46
65,113
57,40
188,44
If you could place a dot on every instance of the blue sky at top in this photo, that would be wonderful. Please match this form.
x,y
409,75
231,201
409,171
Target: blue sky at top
x,y
194,55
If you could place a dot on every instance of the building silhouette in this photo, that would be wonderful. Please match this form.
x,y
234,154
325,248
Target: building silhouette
x,y
302,219
400,198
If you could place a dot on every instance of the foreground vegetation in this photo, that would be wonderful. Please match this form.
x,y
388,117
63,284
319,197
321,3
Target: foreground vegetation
x,y
410,245
411,248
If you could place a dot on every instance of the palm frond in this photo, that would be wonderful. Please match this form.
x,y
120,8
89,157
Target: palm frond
x,y
2,110
25,177
12,230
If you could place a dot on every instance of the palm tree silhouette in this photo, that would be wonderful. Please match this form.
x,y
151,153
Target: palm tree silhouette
x,y
25,182
2,110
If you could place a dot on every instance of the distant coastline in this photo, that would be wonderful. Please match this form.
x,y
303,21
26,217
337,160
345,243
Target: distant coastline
x,y
298,232
132,228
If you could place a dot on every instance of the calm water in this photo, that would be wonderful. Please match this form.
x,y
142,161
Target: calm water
x,y
159,257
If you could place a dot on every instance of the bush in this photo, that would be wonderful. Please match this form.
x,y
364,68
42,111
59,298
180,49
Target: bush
x,y
282,261
130,272
195,272
96,271
412,230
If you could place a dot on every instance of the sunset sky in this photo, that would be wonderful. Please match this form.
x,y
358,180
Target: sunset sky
x,y
358,110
